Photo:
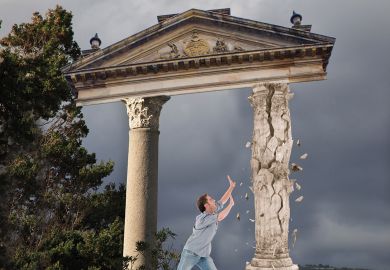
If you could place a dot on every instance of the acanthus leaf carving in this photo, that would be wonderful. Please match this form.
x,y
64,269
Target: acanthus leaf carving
x,y
144,112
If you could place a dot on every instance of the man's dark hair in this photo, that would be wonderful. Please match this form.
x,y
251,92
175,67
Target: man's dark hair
x,y
202,200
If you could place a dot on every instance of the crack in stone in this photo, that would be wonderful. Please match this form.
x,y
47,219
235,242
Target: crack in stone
x,y
268,110
278,213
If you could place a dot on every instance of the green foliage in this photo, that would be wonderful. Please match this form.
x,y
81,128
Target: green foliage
x,y
31,84
32,89
163,257
104,208
52,215
49,181
76,249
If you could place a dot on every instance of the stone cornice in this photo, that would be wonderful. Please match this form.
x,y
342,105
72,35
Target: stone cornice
x,y
96,76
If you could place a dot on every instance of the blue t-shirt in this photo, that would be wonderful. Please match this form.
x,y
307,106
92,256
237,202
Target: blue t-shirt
x,y
203,232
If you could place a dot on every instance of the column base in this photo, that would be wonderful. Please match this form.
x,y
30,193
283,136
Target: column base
x,y
271,264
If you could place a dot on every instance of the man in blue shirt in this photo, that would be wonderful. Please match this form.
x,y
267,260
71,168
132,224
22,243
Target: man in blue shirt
x,y
197,249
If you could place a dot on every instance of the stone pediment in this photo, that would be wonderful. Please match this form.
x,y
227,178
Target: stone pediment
x,y
197,33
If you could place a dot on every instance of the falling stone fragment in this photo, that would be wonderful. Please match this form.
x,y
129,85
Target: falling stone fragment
x,y
262,214
238,216
299,199
304,156
247,211
296,167
251,188
298,186
251,220
248,144
294,236
240,184
298,142
246,196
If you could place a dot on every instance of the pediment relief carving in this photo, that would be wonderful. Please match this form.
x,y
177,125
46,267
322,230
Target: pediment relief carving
x,y
195,44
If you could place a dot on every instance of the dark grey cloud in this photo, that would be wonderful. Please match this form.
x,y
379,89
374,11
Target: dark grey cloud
x,y
343,124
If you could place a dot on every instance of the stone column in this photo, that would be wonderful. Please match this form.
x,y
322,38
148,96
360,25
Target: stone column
x,y
271,149
142,170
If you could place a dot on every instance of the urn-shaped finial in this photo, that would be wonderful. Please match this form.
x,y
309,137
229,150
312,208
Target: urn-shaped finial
x,y
95,42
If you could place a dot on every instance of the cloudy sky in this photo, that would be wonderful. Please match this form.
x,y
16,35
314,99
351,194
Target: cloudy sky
x,y
343,124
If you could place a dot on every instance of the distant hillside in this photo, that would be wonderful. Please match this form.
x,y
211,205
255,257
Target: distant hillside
x,y
326,267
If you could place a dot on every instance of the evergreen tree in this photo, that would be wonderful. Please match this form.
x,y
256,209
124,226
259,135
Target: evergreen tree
x,y
48,180
51,213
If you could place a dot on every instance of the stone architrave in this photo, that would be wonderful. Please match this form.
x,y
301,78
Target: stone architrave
x,y
142,172
271,149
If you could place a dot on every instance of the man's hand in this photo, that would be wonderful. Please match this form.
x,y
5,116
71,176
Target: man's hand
x,y
228,192
231,182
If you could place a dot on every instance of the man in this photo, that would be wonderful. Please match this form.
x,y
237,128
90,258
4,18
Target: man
x,y
198,246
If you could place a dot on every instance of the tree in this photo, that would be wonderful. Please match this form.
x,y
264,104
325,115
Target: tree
x,y
47,178
163,257
31,88
52,214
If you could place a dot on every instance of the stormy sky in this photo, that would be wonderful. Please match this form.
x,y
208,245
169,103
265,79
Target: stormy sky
x,y
343,123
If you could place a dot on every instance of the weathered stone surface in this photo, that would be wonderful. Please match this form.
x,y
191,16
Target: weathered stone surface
x,y
144,112
271,149
142,173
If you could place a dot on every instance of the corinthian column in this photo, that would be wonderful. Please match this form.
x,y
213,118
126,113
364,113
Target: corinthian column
x,y
271,149
142,168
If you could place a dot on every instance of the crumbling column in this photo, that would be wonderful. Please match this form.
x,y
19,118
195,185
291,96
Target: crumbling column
x,y
142,170
271,149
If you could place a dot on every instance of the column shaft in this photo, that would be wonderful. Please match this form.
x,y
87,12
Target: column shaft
x,y
142,174
141,192
271,149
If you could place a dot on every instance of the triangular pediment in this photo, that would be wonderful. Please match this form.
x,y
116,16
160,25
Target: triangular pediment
x,y
193,43
196,33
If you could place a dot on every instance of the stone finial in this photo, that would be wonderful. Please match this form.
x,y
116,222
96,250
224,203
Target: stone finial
x,y
95,42
296,18
144,112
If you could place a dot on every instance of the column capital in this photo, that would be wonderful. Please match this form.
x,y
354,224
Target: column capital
x,y
262,91
267,86
144,112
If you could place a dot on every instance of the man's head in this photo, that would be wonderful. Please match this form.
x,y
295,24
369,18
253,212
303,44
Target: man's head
x,y
206,203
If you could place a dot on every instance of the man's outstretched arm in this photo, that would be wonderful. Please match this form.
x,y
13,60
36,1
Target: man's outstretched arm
x,y
225,212
228,192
